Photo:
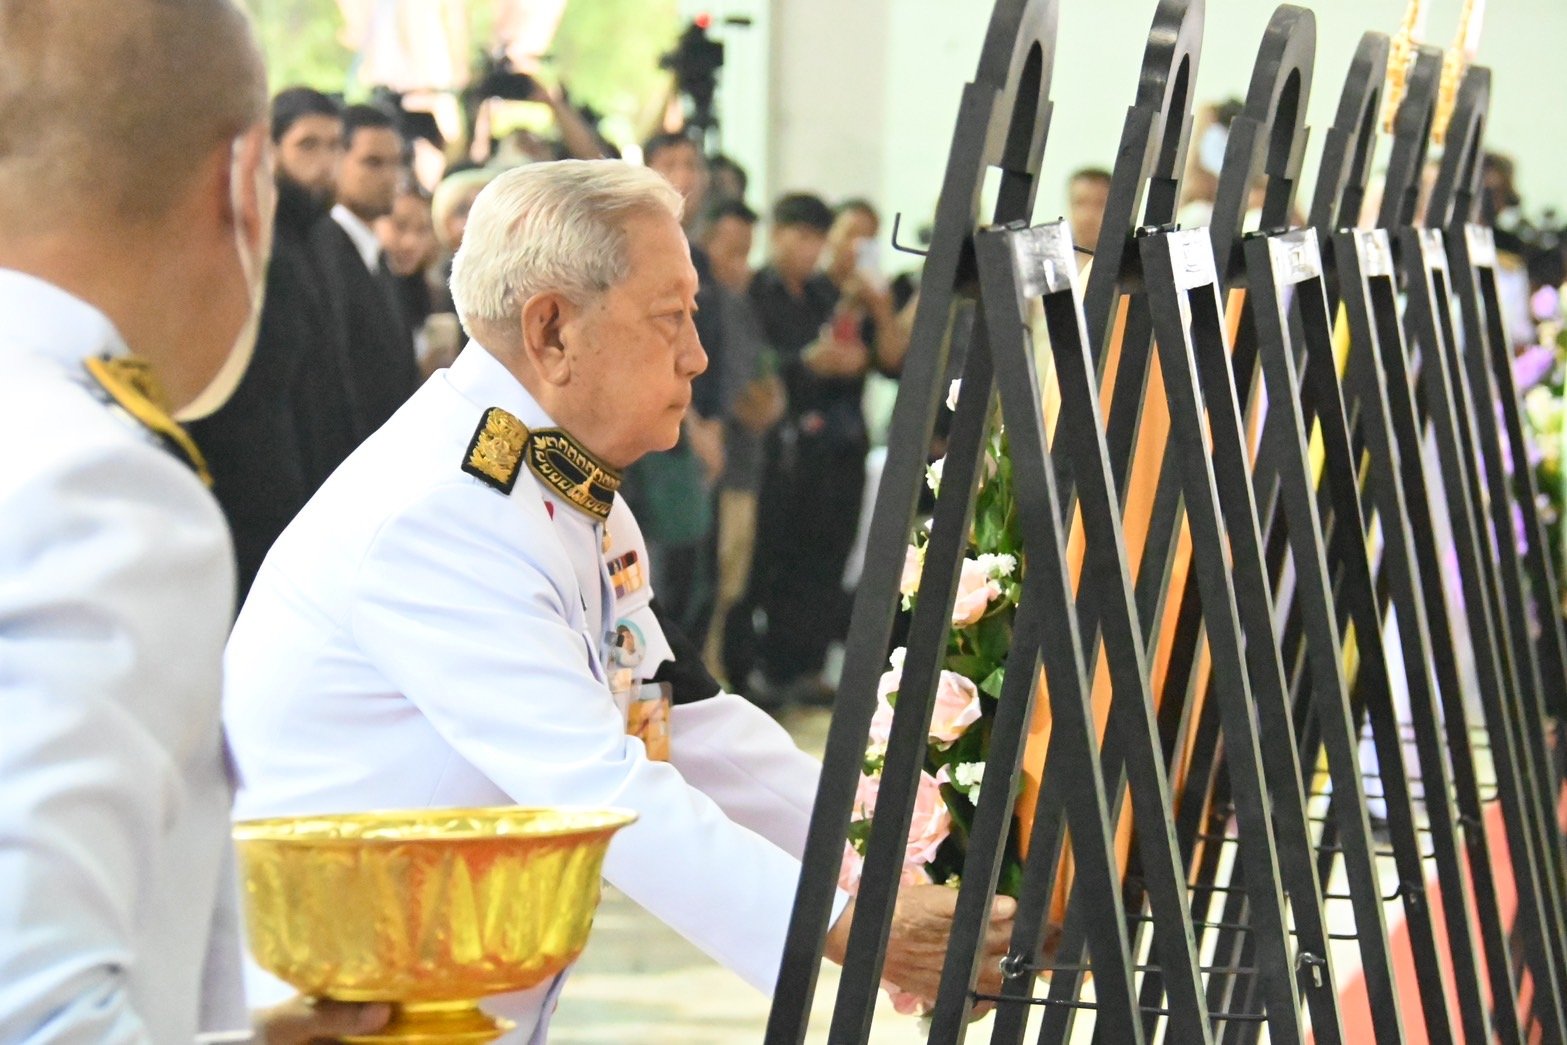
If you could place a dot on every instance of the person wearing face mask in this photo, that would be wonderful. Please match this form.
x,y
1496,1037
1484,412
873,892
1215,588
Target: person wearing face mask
x,y
295,399
129,294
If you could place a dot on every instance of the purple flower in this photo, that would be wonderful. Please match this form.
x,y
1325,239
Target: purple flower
x,y
1545,302
1533,365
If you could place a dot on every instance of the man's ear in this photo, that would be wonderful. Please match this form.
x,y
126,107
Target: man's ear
x,y
545,317
252,188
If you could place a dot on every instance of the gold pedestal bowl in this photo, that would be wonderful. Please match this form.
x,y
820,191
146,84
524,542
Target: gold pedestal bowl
x,y
429,910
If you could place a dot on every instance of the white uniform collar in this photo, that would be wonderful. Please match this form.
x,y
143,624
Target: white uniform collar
x,y
484,381
363,236
40,319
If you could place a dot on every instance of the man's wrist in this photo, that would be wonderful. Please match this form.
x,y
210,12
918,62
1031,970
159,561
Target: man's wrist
x,y
837,943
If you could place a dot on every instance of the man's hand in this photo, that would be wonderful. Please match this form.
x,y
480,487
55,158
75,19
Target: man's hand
x,y
707,442
760,405
311,1021
921,924
830,357
917,946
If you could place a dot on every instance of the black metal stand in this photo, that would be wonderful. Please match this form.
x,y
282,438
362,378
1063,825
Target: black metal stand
x,y
1293,569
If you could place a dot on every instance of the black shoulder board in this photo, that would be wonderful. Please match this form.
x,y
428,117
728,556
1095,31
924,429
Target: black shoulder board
x,y
494,455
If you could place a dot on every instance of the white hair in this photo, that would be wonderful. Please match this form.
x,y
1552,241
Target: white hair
x,y
551,226
464,186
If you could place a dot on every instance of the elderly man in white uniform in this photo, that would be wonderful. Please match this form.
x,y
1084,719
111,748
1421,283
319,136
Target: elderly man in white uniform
x,y
461,616
135,216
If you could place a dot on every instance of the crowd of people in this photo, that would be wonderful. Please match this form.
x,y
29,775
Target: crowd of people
x,y
447,551
443,601
750,518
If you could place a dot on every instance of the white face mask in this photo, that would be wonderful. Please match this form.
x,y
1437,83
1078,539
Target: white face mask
x,y
253,263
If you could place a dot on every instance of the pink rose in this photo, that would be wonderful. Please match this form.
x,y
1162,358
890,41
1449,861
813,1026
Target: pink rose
x,y
881,725
957,707
865,797
881,722
931,823
976,589
913,561
850,869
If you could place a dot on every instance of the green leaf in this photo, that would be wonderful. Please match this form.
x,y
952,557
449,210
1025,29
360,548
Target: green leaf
x,y
993,682
993,636
970,666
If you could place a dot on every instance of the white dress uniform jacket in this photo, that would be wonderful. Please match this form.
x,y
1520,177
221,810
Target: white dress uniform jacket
x,y
418,638
116,586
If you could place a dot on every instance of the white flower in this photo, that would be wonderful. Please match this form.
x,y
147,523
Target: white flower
x,y
895,658
967,778
997,566
933,475
952,393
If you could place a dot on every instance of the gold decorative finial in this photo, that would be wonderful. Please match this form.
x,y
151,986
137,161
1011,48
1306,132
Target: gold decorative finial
x,y
1455,63
1401,57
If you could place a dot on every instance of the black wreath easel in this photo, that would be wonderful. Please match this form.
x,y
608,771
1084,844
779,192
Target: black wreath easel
x,y
1294,569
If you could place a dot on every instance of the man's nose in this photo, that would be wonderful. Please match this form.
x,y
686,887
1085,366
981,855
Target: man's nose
x,y
694,356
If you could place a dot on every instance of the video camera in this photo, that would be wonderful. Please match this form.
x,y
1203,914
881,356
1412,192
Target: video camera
x,y
695,61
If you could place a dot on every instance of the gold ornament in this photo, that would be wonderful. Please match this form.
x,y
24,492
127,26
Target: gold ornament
x,y
566,467
429,910
130,384
495,453
1401,58
1454,64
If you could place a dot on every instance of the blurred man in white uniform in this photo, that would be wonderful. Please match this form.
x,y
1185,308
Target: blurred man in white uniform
x,y
461,616
135,215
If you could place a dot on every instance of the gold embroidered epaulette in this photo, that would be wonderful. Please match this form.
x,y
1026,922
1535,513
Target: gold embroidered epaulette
x,y
130,384
495,454
567,467
501,444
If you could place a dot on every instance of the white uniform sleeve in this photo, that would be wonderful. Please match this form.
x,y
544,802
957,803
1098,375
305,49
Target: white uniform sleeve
x,y
452,607
86,786
738,756
222,973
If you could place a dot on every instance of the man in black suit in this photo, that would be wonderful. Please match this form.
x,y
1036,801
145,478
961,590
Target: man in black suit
x,y
293,418
383,369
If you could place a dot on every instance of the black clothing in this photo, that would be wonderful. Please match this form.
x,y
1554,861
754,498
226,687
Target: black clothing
x,y
825,406
414,298
808,508
706,388
293,418
382,368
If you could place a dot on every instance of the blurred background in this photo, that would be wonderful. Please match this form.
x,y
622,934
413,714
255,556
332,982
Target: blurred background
x,y
857,99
